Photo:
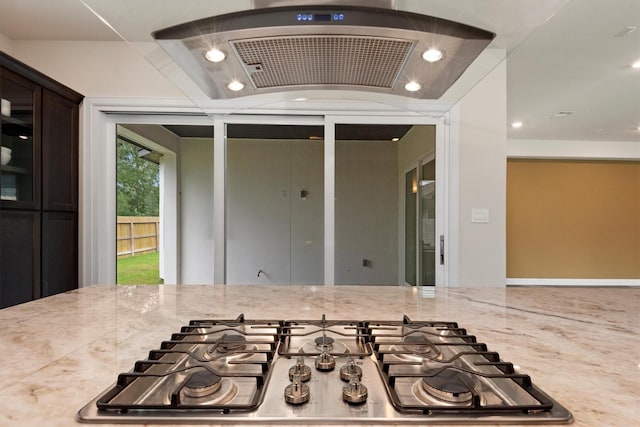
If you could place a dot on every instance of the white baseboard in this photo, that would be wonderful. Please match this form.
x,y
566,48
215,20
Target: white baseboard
x,y
573,282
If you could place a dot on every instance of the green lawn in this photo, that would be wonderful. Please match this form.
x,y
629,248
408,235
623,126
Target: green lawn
x,y
139,270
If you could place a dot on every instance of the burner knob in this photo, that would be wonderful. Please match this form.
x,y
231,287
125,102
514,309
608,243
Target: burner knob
x,y
297,393
325,362
350,369
301,369
355,391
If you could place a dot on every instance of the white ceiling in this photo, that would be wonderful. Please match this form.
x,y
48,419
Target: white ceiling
x,y
563,55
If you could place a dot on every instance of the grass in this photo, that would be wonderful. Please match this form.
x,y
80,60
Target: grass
x,y
139,270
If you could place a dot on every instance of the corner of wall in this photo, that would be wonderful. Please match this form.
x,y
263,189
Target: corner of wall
x,y
6,44
480,135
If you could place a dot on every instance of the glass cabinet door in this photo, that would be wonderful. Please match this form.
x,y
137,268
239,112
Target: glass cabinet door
x,y
20,140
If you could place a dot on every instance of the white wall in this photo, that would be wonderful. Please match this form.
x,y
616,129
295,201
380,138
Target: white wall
x,y
307,226
270,228
258,212
266,228
588,150
96,69
366,212
6,44
479,142
196,188
419,142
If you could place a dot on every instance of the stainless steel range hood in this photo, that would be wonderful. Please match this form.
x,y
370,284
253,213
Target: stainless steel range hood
x,y
328,46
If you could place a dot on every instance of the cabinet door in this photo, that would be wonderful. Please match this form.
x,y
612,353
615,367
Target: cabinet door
x,y
59,252
59,153
20,140
19,257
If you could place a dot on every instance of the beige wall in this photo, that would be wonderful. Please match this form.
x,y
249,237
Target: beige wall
x,y
573,219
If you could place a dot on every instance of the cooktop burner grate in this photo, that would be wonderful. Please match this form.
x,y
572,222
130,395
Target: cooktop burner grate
x,y
210,365
336,337
323,371
429,367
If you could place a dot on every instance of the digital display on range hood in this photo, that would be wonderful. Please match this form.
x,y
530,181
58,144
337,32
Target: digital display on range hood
x,y
322,17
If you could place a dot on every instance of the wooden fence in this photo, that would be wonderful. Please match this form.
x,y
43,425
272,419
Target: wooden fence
x,y
137,235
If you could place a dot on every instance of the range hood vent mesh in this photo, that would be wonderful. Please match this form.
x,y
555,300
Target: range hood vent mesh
x,y
313,60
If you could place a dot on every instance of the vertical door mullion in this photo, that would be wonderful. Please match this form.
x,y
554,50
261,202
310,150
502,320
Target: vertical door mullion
x,y
418,224
219,200
442,202
329,201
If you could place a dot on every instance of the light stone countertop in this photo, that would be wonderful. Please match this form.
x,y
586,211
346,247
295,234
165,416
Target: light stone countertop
x,y
580,345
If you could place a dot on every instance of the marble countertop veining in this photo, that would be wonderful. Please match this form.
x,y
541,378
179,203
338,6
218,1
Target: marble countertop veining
x,y
580,345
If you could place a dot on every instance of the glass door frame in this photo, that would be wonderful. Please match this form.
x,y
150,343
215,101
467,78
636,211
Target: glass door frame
x,y
329,121
421,267
441,124
418,167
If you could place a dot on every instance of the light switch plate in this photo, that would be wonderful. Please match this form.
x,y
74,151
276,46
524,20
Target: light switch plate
x,y
480,216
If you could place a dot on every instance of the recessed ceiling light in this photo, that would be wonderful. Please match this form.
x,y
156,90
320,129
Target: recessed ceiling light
x,y
215,55
235,86
636,64
395,139
516,125
23,137
412,86
432,55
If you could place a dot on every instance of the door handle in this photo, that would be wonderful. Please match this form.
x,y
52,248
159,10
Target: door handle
x,y
442,249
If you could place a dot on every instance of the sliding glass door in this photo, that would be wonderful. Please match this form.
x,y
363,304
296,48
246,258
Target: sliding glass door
x,y
420,224
335,204
427,222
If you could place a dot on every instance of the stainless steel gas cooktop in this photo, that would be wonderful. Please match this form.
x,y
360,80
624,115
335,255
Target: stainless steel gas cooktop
x,y
323,371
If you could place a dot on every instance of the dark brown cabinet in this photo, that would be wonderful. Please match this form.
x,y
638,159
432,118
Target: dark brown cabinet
x,y
59,252
19,256
20,166
38,185
59,153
